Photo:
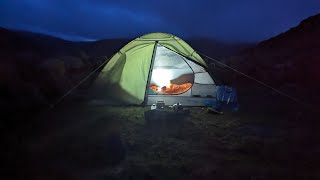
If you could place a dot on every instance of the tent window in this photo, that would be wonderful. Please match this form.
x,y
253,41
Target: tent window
x,y
171,75
201,75
203,78
195,67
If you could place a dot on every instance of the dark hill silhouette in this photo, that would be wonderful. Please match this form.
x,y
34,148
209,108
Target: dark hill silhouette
x,y
217,49
290,61
43,45
48,46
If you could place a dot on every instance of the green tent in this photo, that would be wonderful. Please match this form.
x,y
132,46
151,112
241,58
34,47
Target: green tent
x,y
153,67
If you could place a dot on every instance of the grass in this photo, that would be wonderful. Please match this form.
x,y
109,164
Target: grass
x,y
80,141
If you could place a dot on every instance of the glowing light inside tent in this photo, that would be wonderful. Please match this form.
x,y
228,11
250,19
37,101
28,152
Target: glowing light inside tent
x,y
162,77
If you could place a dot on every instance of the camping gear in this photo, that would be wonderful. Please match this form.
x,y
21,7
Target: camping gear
x,y
226,99
160,104
177,107
214,110
153,107
156,67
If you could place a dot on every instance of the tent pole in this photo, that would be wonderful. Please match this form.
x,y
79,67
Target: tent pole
x,y
150,73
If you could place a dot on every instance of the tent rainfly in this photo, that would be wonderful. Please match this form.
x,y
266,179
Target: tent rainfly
x,y
157,67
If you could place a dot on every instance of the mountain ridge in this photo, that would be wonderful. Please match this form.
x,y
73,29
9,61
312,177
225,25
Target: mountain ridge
x,y
291,59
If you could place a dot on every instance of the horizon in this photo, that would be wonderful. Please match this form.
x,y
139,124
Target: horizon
x,y
81,39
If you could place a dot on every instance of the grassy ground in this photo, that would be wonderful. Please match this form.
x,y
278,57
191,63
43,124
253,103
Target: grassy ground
x,y
77,140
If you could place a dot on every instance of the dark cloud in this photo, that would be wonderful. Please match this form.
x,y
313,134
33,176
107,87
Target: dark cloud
x,y
232,20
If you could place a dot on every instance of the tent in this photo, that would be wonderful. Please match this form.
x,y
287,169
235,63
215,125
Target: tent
x,y
157,67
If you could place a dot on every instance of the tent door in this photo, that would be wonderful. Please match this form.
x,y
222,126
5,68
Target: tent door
x,y
173,78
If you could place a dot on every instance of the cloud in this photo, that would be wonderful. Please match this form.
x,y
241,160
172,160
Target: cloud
x,y
231,20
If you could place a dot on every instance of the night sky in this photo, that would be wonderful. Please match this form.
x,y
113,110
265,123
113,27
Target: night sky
x,y
226,20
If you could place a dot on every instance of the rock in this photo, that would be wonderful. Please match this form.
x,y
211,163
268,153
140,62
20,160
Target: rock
x,y
56,72
55,67
72,62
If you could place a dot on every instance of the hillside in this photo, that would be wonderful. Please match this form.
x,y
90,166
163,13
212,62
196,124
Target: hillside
x,y
289,61
217,49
